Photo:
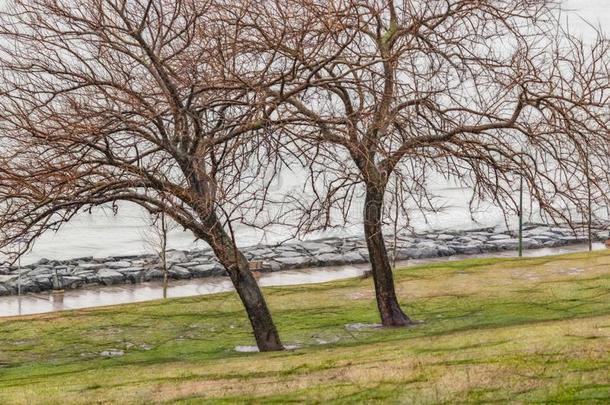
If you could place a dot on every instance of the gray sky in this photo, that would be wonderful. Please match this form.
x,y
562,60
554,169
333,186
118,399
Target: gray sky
x,y
591,10
596,12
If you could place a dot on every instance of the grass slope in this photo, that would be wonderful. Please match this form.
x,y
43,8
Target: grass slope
x,y
494,330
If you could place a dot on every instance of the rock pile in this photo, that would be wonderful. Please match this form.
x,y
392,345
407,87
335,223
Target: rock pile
x,y
74,273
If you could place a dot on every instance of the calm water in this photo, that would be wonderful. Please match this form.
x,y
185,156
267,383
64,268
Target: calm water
x,y
102,233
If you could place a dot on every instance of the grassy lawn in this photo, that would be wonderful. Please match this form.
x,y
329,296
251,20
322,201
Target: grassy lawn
x,y
493,329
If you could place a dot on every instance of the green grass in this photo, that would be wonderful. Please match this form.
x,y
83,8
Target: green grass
x,y
505,330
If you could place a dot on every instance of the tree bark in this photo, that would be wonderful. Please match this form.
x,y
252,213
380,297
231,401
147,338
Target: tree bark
x,y
387,303
236,264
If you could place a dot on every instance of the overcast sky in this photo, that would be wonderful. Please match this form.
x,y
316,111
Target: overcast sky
x,y
596,12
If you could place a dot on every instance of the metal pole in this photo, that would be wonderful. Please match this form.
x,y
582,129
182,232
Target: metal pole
x,y
521,212
589,204
19,274
589,225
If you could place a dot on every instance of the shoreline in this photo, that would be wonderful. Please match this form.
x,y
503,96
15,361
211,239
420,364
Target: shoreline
x,y
95,296
46,275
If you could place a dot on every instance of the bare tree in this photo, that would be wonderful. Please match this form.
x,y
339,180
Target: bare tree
x,y
156,237
383,97
104,101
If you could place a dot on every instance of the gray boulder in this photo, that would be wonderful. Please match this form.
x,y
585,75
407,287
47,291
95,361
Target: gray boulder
x,y
179,273
4,290
289,253
153,274
176,256
206,270
500,236
70,282
5,278
292,262
317,247
260,253
110,277
443,250
364,253
122,264
331,259
471,248
353,257
90,266
28,285
133,274
271,266
416,252
40,270
505,244
43,282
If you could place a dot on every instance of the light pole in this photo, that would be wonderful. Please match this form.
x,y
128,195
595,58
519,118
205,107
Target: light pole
x,y
589,201
521,216
520,246
19,275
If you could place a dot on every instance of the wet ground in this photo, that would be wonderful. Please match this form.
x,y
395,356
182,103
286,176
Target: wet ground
x,y
102,296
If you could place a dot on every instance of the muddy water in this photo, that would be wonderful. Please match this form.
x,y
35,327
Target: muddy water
x,y
102,296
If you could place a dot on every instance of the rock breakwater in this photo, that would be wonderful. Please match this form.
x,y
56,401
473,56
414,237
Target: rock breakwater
x,y
88,271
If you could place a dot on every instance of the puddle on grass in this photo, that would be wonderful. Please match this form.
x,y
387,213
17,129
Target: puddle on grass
x,y
254,349
96,296
321,341
112,353
362,326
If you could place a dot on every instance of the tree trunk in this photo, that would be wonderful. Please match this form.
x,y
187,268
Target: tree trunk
x,y
265,332
236,264
387,303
